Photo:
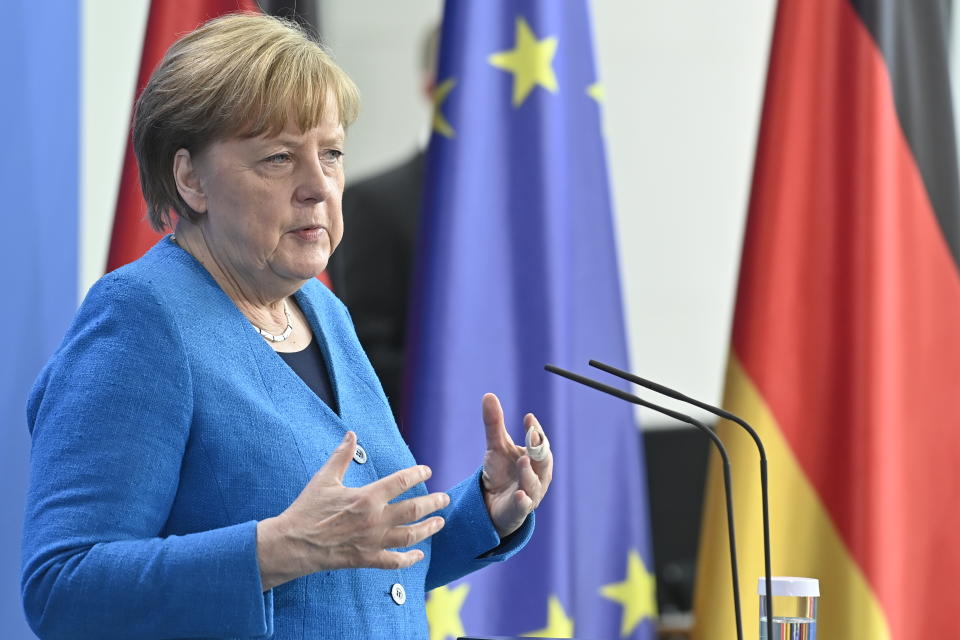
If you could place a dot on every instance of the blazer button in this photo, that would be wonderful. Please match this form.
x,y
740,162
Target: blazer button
x,y
398,593
360,455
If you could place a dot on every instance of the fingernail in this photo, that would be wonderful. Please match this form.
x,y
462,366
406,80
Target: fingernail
x,y
426,471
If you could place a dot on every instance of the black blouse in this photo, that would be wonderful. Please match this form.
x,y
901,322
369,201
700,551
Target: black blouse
x,y
310,365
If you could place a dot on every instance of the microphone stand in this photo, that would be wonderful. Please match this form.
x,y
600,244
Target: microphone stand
x,y
717,411
727,484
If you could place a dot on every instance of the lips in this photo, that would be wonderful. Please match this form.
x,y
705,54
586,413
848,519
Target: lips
x,y
312,233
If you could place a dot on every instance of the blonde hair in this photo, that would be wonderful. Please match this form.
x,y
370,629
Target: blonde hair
x,y
243,75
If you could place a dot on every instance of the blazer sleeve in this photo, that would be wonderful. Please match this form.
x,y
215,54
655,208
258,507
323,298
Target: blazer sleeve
x,y
468,540
110,417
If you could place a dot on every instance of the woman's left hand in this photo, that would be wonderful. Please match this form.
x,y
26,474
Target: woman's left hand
x,y
513,484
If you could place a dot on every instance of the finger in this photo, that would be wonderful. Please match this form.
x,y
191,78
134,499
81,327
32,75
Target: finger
x,y
530,422
410,534
493,422
544,471
543,468
528,481
339,461
396,559
398,482
523,502
539,437
415,509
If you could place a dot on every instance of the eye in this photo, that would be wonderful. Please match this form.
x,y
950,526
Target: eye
x,y
332,156
279,158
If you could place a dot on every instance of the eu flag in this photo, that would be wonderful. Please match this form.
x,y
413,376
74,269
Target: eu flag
x,y
518,268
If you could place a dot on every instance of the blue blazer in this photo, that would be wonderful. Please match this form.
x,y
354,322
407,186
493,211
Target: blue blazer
x,y
164,428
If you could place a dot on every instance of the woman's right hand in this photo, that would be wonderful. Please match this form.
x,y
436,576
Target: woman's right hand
x,y
330,526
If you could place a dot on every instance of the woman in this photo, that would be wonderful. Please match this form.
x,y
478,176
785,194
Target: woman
x,y
212,454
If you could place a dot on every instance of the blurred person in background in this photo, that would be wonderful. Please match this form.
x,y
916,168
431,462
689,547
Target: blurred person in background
x,y
372,270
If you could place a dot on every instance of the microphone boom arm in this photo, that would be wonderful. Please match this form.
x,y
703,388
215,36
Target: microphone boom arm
x,y
727,482
722,413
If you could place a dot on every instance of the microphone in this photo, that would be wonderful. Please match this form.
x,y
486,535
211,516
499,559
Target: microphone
x,y
727,484
717,411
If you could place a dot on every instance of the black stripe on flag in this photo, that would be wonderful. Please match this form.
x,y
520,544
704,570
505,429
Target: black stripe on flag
x,y
914,37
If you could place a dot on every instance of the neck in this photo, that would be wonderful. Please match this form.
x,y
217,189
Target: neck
x,y
262,303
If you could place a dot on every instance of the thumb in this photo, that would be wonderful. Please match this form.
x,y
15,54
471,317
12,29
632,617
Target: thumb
x,y
339,461
493,422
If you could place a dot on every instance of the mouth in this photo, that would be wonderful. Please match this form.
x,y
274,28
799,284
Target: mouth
x,y
310,233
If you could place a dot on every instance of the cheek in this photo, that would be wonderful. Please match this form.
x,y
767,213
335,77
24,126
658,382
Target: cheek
x,y
336,231
248,205
336,217
257,221
267,213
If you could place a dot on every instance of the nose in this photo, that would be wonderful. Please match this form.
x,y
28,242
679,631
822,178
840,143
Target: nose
x,y
316,182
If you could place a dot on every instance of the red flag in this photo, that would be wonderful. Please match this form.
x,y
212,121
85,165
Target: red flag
x,y
167,21
846,342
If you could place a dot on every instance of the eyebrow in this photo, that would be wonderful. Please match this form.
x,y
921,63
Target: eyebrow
x,y
296,142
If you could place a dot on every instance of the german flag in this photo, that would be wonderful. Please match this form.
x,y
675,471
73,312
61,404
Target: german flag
x,y
846,342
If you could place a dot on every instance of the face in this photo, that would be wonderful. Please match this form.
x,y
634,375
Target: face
x,y
272,203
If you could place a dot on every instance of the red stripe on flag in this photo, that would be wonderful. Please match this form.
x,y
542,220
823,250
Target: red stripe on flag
x,y
167,20
848,312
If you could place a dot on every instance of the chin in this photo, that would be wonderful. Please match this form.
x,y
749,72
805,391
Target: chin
x,y
313,272
299,272
304,267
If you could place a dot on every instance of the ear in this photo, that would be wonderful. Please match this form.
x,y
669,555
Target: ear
x,y
188,181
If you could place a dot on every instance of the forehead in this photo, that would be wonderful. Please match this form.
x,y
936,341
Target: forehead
x,y
328,130
317,113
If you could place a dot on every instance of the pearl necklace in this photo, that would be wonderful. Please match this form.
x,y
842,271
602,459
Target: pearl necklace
x,y
286,332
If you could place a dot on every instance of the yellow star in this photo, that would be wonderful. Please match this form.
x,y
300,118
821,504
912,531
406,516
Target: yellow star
x,y
443,611
637,594
558,624
440,93
597,92
529,61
